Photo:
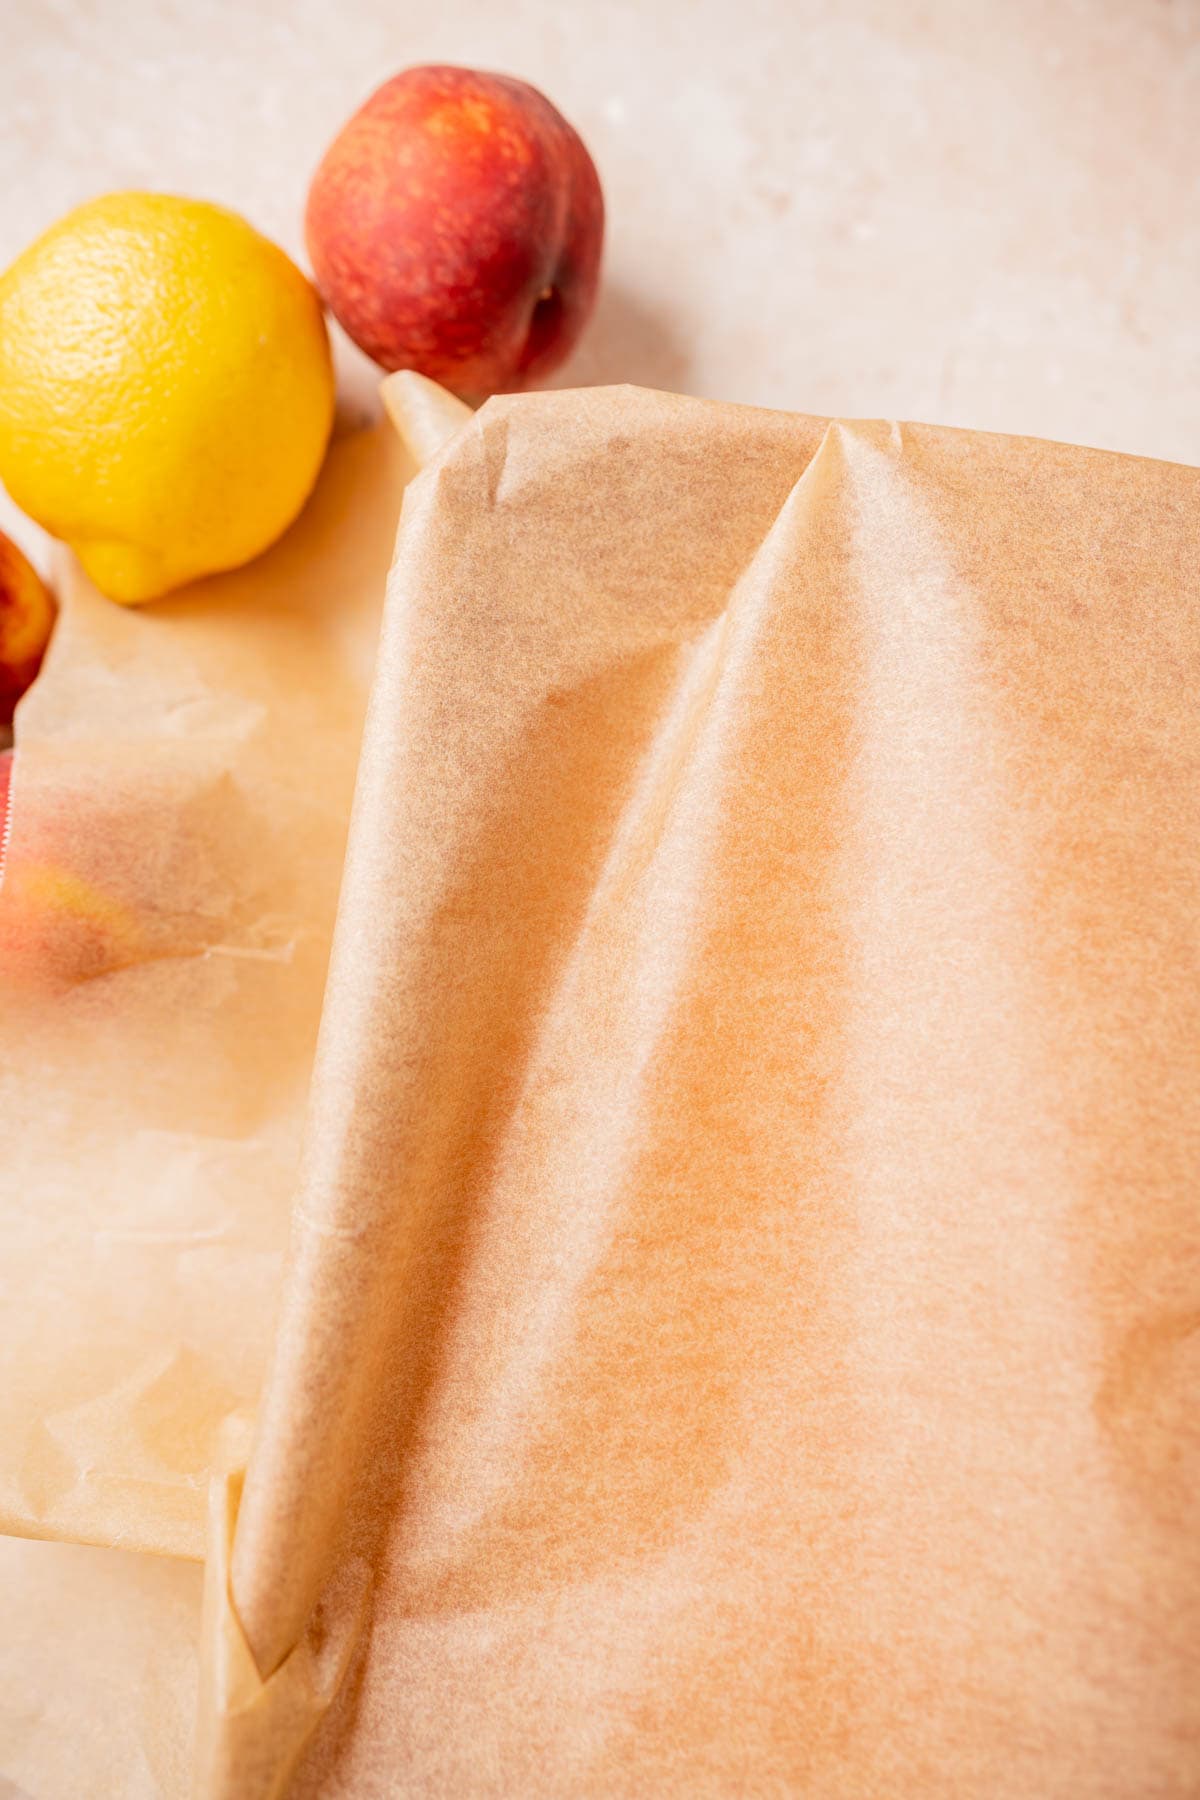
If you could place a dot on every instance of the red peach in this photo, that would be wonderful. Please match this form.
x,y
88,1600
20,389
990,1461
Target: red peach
x,y
26,620
455,227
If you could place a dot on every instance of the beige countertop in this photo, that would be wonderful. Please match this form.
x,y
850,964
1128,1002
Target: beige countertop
x,y
981,212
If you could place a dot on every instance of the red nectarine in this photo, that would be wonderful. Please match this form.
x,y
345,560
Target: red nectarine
x,y
455,227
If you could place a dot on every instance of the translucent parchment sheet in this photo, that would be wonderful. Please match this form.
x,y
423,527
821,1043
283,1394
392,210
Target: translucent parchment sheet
x,y
180,802
740,1332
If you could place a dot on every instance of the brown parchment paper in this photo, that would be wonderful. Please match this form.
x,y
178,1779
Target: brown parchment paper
x,y
740,1329
98,1672
740,1333
180,801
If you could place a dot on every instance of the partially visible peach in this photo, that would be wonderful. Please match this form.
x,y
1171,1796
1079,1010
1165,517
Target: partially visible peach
x,y
455,227
58,929
56,925
26,621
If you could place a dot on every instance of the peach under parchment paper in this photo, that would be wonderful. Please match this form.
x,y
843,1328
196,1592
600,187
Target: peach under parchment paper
x,y
746,1264
182,782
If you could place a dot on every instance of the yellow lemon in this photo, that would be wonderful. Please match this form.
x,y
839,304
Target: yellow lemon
x,y
166,389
